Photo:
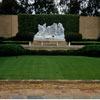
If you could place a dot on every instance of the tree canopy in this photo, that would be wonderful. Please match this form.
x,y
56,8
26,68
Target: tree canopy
x,y
80,7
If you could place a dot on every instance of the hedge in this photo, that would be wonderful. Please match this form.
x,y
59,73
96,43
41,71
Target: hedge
x,y
85,43
15,42
29,23
12,50
16,49
24,36
73,36
90,50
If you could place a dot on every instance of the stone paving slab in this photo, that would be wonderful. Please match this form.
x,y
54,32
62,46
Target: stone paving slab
x,y
49,89
43,94
35,97
19,97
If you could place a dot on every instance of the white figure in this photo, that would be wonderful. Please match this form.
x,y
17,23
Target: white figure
x,y
60,29
54,32
48,30
42,29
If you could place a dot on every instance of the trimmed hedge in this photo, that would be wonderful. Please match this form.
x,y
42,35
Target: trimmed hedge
x,y
15,42
90,50
73,36
25,36
29,23
11,50
85,43
16,49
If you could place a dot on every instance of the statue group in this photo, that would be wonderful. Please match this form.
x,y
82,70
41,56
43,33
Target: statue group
x,y
54,32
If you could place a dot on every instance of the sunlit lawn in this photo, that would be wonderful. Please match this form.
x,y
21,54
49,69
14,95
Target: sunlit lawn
x,y
50,67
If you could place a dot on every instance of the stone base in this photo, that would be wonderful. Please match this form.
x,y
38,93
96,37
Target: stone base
x,y
49,43
48,38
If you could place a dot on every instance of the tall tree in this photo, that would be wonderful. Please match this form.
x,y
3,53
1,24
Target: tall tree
x,y
44,6
16,7
93,7
25,6
74,7
9,7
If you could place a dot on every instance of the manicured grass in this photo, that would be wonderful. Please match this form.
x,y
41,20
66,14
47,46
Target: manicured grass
x,y
50,67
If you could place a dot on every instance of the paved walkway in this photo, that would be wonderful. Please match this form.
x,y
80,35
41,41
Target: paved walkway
x,y
36,47
49,94
49,90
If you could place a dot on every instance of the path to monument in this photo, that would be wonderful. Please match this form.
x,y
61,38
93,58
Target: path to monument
x,y
50,90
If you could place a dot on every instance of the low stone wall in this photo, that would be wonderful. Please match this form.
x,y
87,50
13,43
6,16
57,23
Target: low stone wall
x,y
50,43
8,25
90,27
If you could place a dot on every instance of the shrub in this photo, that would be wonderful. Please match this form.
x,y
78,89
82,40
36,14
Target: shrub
x,y
72,36
15,50
85,43
15,42
98,39
2,38
30,23
90,50
25,36
11,50
53,52
11,38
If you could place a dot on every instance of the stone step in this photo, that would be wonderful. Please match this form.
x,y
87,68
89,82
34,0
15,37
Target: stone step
x,y
49,43
52,47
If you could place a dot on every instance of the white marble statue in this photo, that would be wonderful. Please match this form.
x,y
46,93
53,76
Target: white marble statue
x,y
42,29
54,32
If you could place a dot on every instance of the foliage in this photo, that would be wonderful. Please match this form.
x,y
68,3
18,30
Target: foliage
x,y
25,36
85,42
98,39
15,42
29,23
90,50
11,50
44,7
15,7
15,49
72,36
25,7
2,38
8,7
79,7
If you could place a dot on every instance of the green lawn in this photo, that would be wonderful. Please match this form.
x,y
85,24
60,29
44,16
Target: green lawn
x,y
50,67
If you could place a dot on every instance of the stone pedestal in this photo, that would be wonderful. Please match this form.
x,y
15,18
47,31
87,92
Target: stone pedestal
x,y
49,43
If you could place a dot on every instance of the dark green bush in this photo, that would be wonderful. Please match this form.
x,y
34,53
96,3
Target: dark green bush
x,y
11,38
15,50
29,23
98,39
2,38
15,42
11,50
53,52
25,36
73,36
90,50
85,43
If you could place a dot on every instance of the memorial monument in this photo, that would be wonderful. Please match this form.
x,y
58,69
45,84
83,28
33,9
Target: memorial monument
x,y
54,32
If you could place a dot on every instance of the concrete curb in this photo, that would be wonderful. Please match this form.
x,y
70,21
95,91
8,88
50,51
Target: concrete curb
x,y
54,81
